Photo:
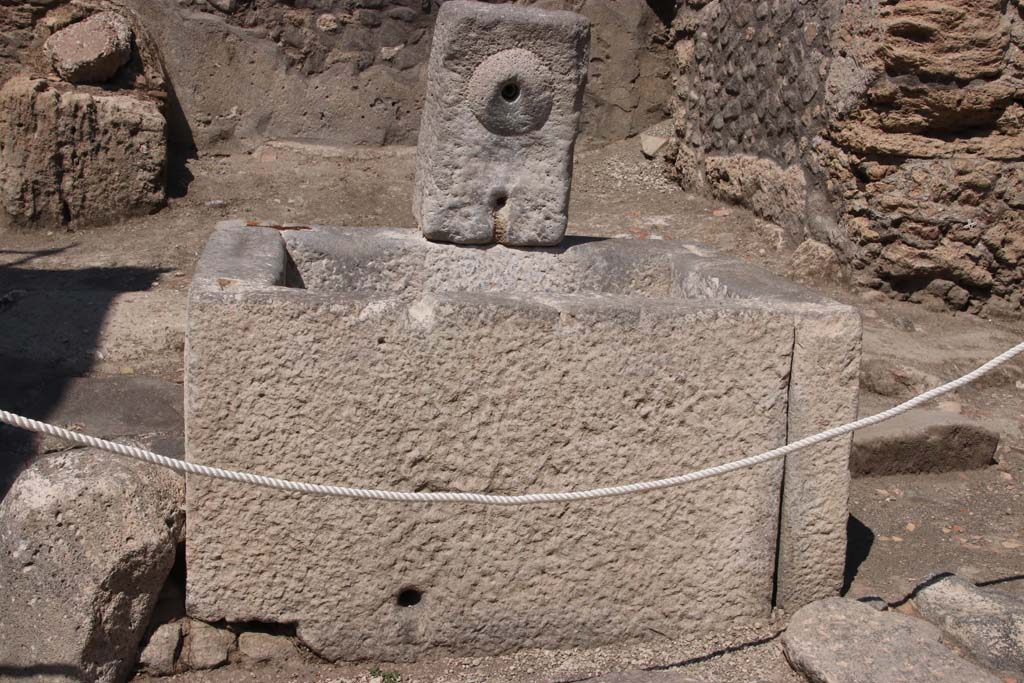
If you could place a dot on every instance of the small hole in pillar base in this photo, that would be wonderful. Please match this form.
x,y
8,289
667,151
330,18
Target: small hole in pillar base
x,y
407,597
510,91
500,201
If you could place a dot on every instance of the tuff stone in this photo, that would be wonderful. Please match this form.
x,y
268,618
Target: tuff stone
x,y
206,646
91,50
502,110
161,650
72,157
262,647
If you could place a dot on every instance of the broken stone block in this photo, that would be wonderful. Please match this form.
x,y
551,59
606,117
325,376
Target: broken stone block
x,y
844,641
86,541
923,441
389,361
502,109
988,624
77,156
91,50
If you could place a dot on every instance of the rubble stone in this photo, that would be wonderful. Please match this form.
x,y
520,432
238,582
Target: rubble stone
x,y
987,623
91,50
71,157
86,541
844,641
262,647
206,646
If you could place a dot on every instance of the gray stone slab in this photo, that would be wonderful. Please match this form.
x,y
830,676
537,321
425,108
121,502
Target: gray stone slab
x,y
987,623
411,365
844,641
500,117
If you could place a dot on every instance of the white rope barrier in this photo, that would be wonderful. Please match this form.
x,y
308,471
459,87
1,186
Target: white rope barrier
x,y
487,499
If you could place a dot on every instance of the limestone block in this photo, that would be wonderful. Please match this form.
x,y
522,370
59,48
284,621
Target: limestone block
x,y
502,110
92,50
380,359
74,157
86,541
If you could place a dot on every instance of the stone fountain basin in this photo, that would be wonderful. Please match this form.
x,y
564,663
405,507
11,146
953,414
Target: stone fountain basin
x,y
374,358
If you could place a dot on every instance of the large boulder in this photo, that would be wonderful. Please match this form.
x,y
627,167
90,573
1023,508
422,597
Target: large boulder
x,y
78,156
988,624
92,50
844,641
87,539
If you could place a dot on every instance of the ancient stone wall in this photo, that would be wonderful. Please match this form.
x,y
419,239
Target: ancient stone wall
x,y
890,131
340,71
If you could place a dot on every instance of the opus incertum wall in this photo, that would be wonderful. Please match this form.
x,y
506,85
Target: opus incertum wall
x,y
376,358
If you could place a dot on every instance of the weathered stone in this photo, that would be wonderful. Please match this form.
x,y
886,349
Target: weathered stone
x,y
844,641
86,541
505,371
92,50
207,647
987,623
652,145
72,157
923,441
503,103
813,260
262,647
160,653
761,185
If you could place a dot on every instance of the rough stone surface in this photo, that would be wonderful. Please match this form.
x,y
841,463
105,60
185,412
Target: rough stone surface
x,y
987,623
504,371
72,157
643,677
161,651
652,145
206,647
889,131
844,641
263,647
86,541
923,441
92,50
504,96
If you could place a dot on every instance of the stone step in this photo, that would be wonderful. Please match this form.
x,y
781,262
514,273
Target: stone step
x,y
923,441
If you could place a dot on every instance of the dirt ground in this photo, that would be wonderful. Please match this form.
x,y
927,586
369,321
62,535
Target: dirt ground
x,y
93,331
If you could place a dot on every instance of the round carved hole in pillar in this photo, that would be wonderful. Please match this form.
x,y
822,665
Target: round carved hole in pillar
x,y
407,597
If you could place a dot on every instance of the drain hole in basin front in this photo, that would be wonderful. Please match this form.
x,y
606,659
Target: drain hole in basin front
x,y
407,597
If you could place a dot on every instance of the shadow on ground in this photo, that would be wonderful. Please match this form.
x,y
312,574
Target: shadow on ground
x,y
51,321
859,539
